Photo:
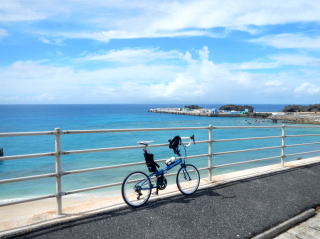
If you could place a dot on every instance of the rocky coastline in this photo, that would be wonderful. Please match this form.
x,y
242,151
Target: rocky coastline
x,y
299,114
296,117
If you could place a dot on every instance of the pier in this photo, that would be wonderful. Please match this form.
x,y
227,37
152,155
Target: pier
x,y
180,111
210,113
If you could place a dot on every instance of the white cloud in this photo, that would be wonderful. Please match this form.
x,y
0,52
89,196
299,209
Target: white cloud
x,y
295,60
252,65
307,88
35,82
289,41
198,79
234,14
45,97
148,19
106,36
130,55
45,40
273,83
14,10
276,61
3,33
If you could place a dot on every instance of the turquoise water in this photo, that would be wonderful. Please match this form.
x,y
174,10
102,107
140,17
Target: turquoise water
x,y
22,118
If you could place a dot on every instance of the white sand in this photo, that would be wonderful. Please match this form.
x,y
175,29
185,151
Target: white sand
x,y
33,214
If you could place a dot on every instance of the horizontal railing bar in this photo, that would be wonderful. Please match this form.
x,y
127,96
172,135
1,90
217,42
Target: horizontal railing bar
x,y
173,174
123,165
205,168
293,145
244,162
196,156
12,180
26,133
85,151
129,130
307,152
302,135
27,156
187,157
27,200
114,184
240,139
86,170
92,188
302,126
246,150
81,151
12,134
170,174
246,127
201,142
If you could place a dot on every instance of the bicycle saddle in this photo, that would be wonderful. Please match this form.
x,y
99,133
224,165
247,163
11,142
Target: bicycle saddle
x,y
145,142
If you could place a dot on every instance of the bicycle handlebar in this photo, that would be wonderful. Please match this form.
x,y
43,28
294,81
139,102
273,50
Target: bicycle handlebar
x,y
191,140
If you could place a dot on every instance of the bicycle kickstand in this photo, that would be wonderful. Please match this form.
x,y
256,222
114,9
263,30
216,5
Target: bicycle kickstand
x,y
157,188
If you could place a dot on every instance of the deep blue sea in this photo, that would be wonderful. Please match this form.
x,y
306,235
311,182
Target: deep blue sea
x,y
23,118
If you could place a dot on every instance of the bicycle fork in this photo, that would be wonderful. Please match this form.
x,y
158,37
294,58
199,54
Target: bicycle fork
x,y
186,174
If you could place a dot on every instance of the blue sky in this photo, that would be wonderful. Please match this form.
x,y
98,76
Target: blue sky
x,y
211,51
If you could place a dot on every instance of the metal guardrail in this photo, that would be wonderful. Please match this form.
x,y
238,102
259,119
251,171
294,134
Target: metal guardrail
x,y
58,174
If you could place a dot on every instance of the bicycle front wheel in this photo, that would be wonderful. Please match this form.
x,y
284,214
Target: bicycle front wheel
x,y
136,189
188,179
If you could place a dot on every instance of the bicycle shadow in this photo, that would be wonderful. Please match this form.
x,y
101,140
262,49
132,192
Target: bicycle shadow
x,y
104,216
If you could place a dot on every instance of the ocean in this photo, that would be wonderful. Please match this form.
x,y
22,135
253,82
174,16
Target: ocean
x,y
23,118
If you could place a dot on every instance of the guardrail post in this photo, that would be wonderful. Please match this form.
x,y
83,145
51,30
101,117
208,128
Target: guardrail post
x,y
58,170
210,153
283,144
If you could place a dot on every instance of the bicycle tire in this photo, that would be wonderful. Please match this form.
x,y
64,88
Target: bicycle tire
x,y
191,181
129,193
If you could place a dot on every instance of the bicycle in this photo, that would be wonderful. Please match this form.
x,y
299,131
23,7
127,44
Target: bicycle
x,y
137,187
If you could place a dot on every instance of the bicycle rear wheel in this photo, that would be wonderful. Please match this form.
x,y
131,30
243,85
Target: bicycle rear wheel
x,y
188,179
136,189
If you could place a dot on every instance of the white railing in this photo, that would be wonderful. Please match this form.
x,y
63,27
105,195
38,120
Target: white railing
x,y
58,174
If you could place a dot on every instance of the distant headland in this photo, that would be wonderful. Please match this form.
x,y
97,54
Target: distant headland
x,y
224,111
302,108
305,114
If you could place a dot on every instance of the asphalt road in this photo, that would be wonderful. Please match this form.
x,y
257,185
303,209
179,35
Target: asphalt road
x,y
236,210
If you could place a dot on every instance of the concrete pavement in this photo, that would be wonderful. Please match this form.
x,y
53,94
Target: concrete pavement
x,y
309,229
240,209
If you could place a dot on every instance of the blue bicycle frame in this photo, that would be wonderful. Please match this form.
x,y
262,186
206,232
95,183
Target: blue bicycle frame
x,y
187,178
161,172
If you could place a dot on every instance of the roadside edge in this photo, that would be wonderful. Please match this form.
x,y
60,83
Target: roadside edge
x,y
284,226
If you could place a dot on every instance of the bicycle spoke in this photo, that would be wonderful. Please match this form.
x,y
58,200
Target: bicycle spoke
x,y
135,195
188,179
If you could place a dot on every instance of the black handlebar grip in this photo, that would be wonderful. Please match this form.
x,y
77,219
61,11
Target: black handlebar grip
x,y
192,137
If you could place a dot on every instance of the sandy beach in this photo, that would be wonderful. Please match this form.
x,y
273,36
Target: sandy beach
x,y
41,212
